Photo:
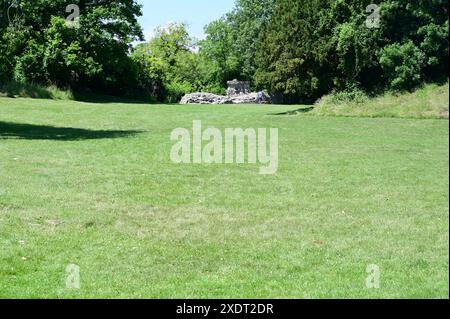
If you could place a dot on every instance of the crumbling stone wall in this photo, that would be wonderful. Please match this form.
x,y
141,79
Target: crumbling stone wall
x,y
236,87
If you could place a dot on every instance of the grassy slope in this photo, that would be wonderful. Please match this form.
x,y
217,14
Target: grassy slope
x,y
349,192
431,101
14,89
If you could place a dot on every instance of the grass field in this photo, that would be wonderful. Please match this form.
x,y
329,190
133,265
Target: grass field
x,y
93,185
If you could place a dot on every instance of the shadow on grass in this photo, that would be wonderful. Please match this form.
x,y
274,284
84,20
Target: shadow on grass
x,y
10,130
35,91
105,99
295,112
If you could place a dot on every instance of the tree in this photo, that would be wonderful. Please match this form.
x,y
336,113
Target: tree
x,y
168,65
248,20
218,48
294,50
415,41
231,41
49,50
312,47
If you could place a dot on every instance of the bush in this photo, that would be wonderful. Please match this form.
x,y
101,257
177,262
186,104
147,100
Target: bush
x,y
215,89
402,65
30,66
176,90
354,96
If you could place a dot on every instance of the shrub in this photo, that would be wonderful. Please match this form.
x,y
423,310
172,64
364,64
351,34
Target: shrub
x,y
215,89
351,96
402,65
176,90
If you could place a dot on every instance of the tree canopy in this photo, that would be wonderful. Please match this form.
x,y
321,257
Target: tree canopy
x,y
41,46
311,47
298,50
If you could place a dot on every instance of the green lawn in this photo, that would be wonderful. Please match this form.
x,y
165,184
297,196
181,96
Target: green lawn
x,y
93,185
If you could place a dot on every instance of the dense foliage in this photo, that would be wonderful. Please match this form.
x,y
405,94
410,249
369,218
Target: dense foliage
x,y
231,42
40,45
298,50
168,65
311,47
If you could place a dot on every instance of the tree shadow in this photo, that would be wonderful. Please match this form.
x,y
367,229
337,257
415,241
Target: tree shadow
x,y
295,112
10,130
106,99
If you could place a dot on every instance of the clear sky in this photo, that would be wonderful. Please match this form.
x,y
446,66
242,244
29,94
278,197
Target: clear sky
x,y
196,13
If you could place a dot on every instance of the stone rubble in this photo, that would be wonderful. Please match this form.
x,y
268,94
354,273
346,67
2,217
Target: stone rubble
x,y
209,98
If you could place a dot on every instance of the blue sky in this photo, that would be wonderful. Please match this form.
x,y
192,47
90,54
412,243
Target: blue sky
x,y
196,13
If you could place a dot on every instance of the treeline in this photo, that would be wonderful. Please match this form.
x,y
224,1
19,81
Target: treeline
x,y
298,50
311,47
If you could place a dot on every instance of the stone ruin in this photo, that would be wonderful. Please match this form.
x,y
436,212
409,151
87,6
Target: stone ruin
x,y
238,92
236,87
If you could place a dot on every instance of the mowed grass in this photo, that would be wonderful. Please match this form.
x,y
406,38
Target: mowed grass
x,y
105,196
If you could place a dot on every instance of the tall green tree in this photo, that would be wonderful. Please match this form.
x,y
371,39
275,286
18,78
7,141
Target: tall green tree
x,y
311,47
168,64
294,50
43,47
231,42
415,45
219,49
